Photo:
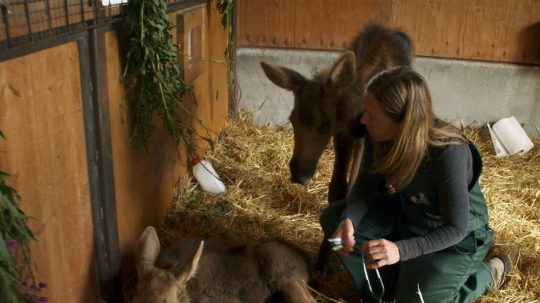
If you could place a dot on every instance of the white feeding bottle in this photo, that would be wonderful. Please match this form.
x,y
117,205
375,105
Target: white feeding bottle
x,y
207,176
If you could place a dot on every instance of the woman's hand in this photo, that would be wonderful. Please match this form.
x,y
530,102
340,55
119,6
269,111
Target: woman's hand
x,y
345,231
380,252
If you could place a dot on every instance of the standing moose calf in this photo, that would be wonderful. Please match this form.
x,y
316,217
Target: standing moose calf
x,y
330,106
205,271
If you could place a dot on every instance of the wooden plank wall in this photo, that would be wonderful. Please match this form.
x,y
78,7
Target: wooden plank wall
x,y
45,155
42,117
219,85
145,181
486,30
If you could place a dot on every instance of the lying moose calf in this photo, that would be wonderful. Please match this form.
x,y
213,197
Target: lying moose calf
x,y
198,270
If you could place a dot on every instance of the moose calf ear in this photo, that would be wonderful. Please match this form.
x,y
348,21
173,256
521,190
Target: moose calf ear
x,y
184,272
283,77
343,73
148,249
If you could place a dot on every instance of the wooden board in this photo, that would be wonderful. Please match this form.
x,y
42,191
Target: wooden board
x,y
192,35
413,17
219,85
144,181
45,154
485,30
266,22
328,24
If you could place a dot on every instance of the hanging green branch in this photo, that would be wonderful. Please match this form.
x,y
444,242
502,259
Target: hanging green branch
x,y
226,9
152,75
17,279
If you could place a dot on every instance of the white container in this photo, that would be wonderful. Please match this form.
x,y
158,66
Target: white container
x,y
509,137
207,176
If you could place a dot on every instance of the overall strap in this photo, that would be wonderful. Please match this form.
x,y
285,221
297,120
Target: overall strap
x,y
477,164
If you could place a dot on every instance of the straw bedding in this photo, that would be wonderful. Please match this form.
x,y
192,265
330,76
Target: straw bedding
x,y
261,203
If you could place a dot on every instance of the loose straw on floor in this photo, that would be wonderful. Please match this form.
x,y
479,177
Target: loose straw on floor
x,y
261,203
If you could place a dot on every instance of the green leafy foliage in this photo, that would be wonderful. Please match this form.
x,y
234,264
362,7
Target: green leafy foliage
x,y
225,7
152,74
17,281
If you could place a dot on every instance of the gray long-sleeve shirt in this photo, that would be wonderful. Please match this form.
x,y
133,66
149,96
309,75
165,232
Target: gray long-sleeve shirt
x,y
451,170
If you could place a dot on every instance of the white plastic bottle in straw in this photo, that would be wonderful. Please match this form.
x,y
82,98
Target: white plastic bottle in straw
x,y
207,176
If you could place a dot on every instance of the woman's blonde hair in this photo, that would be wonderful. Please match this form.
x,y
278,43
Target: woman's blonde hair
x,y
404,96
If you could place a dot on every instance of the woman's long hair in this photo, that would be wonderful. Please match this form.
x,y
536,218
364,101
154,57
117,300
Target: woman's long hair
x,y
404,96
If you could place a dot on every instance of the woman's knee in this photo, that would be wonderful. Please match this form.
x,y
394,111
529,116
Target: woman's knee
x,y
330,216
437,276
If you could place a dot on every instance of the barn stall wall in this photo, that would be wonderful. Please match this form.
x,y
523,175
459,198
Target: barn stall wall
x,y
45,154
67,150
481,58
153,174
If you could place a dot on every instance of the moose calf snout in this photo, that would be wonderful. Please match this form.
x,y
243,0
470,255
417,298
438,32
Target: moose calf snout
x,y
300,173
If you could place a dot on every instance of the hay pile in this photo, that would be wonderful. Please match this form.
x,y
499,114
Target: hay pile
x,y
261,203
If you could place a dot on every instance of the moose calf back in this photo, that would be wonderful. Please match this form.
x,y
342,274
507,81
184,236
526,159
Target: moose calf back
x,y
378,48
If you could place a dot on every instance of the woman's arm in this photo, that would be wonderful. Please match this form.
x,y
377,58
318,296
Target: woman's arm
x,y
452,172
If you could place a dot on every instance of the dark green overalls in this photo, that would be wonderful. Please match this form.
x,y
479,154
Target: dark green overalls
x,y
456,274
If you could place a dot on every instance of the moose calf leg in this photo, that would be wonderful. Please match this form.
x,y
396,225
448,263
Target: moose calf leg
x,y
330,219
322,257
296,291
